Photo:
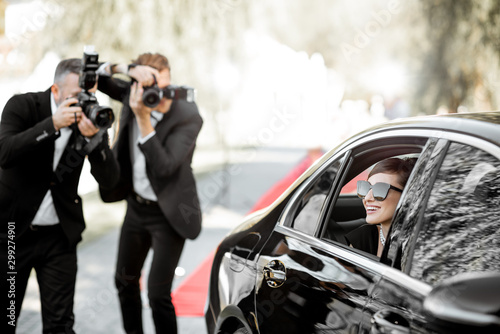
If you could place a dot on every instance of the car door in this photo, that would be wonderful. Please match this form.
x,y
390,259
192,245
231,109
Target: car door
x,y
445,226
308,280
307,285
312,286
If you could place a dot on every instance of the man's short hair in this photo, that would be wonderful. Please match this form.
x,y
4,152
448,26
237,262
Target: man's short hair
x,y
155,60
66,66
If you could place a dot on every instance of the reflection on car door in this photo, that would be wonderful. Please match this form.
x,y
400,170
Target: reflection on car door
x,y
303,287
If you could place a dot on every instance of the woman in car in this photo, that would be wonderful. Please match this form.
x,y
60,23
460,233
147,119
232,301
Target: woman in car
x,y
380,194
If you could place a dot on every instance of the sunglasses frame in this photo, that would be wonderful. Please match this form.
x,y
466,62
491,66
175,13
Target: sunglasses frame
x,y
378,198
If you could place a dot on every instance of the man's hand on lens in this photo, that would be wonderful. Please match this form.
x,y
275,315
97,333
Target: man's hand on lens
x,y
142,113
86,127
135,102
66,115
144,75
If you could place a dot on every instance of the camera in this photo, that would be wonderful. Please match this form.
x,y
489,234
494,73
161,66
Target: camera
x,y
101,116
152,95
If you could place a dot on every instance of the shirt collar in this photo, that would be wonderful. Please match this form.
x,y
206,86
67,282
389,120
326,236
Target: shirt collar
x,y
53,105
157,115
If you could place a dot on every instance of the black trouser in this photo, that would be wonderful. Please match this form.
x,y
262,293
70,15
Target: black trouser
x,y
46,250
145,227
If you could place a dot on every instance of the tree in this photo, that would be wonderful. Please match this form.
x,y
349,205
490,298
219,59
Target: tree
x,y
461,63
449,48
193,34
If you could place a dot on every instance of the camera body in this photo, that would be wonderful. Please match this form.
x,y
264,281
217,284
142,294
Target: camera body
x,y
101,116
152,95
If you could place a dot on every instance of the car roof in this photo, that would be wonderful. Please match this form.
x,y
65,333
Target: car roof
x,y
485,125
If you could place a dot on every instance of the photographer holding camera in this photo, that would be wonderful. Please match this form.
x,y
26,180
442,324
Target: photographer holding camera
x,y
40,206
159,126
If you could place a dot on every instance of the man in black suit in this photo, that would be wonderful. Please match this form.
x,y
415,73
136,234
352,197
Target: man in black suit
x,y
40,209
154,150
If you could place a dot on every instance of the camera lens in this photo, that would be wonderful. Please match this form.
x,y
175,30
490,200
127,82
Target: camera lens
x,y
102,117
151,96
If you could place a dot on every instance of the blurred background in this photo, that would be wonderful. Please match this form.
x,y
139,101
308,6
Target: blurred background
x,y
290,74
277,82
275,73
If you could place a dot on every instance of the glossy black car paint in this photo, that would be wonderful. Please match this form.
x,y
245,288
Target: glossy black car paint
x,y
270,278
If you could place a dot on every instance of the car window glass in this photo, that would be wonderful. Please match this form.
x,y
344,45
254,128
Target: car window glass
x,y
460,231
313,199
350,188
347,220
402,234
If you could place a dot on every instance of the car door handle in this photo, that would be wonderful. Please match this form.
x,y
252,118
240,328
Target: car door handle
x,y
386,321
275,273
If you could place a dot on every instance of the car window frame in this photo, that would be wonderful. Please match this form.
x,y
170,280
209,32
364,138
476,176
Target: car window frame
x,y
358,152
350,151
288,215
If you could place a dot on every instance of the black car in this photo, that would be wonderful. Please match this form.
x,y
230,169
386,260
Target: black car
x,y
288,269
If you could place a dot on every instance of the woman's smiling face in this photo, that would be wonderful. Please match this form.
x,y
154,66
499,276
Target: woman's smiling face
x,y
381,212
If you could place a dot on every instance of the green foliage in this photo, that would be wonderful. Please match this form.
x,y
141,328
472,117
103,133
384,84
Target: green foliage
x,y
461,62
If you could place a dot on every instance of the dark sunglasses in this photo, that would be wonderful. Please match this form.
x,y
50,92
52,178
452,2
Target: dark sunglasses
x,y
380,189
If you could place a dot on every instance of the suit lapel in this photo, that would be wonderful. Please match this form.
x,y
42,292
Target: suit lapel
x,y
45,111
123,129
164,126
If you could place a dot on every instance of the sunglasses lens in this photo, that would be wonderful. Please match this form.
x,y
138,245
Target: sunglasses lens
x,y
363,188
380,190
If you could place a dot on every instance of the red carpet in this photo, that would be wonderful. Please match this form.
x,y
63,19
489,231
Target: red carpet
x,y
190,296
276,190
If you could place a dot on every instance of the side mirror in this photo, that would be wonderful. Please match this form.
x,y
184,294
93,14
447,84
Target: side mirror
x,y
471,299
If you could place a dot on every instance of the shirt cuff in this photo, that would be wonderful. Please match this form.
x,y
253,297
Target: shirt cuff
x,y
143,140
102,69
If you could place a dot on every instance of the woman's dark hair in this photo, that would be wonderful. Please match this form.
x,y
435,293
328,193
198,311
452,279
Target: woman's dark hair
x,y
401,167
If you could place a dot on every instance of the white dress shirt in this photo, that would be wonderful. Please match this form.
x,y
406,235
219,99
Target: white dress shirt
x,y
142,186
46,214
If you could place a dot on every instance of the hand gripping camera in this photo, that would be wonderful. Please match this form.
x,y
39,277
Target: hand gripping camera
x,y
152,95
102,117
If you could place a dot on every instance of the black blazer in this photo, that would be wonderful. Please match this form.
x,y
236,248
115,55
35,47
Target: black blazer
x,y
168,160
27,137
364,238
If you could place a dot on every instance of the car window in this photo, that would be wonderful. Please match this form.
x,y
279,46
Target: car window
x,y
350,188
460,230
348,214
402,233
313,198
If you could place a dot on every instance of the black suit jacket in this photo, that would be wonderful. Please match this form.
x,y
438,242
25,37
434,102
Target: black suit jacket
x,y
27,142
168,160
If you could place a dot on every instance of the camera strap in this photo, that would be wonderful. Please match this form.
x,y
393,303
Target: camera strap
x,y
94,141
